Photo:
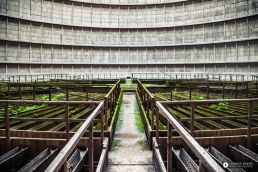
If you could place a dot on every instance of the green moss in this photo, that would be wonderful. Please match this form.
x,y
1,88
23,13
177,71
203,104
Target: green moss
x,y
54,97
198,97
116,113
43,98
138,118
186,95
16,109
95,96
128,84
161,126
180,95
176,87
120,117
220,106
59,96
143,144
116,144
24,108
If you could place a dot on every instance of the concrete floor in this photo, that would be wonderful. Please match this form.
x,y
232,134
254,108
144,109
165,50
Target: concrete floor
x,y
129,154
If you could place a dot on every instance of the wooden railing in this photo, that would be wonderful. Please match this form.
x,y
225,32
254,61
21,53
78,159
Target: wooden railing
x,y
38,77
148,101
158,109
28,78
66,118
61,158
194,103
150,104
110,102
196,75
21,90
103,110
206,161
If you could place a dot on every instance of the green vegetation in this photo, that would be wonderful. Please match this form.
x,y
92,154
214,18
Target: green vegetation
x,y
138,118
143,144
128,84
24,108
43,98
92,96
120,117
220,106
186,94
115,144
54,97
198,97
58,96
161,126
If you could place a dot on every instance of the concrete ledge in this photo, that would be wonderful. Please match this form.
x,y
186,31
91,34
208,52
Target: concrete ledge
x,y
138,27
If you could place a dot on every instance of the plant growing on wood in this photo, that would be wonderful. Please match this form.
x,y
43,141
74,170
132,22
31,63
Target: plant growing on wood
x,y
54,97
220,106
19,109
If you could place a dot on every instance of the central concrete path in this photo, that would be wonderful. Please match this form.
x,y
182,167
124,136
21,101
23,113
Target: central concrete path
x,y
129,152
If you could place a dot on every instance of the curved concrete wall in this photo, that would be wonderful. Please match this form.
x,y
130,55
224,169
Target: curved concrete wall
x,y
129,36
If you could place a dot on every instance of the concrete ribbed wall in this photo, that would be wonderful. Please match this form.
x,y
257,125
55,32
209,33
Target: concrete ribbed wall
x,y
42,36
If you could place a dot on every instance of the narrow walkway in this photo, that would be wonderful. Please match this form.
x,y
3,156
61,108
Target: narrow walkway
x,y
129,152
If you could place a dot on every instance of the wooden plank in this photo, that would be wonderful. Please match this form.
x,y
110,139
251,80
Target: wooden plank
x,y
216,118
249,125
46,134
103,158
158,161
90,147
67,122
181,102
7,126
44,119
192,119
50,102
169,147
